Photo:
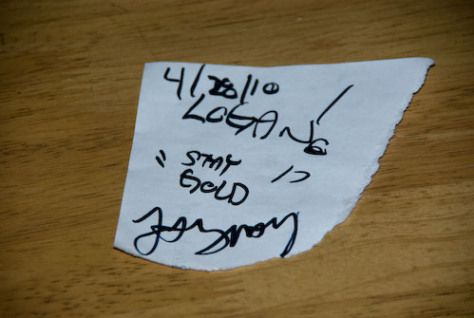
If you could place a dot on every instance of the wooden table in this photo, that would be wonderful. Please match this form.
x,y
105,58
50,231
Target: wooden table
x,y
70,74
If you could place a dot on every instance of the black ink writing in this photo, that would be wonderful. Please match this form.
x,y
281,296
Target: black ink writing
x,y
239,191
161,158
213,162
224,238
223,87
196,80
271,88
305,173
237,195
333,103
178,80
236,120
261,126
313,145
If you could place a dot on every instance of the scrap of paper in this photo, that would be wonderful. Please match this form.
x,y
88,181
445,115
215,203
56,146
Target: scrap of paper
x,y
233,165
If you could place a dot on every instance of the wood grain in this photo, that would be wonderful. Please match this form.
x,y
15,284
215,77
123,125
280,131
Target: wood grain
x,y
70,74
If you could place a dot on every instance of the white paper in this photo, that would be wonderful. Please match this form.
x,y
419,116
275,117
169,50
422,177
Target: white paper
x,y
296,144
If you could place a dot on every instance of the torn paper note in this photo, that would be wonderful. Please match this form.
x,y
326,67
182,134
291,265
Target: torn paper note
x,y
233,165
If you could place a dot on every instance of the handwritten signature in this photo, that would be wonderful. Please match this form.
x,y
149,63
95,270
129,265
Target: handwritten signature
x,y
225,238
